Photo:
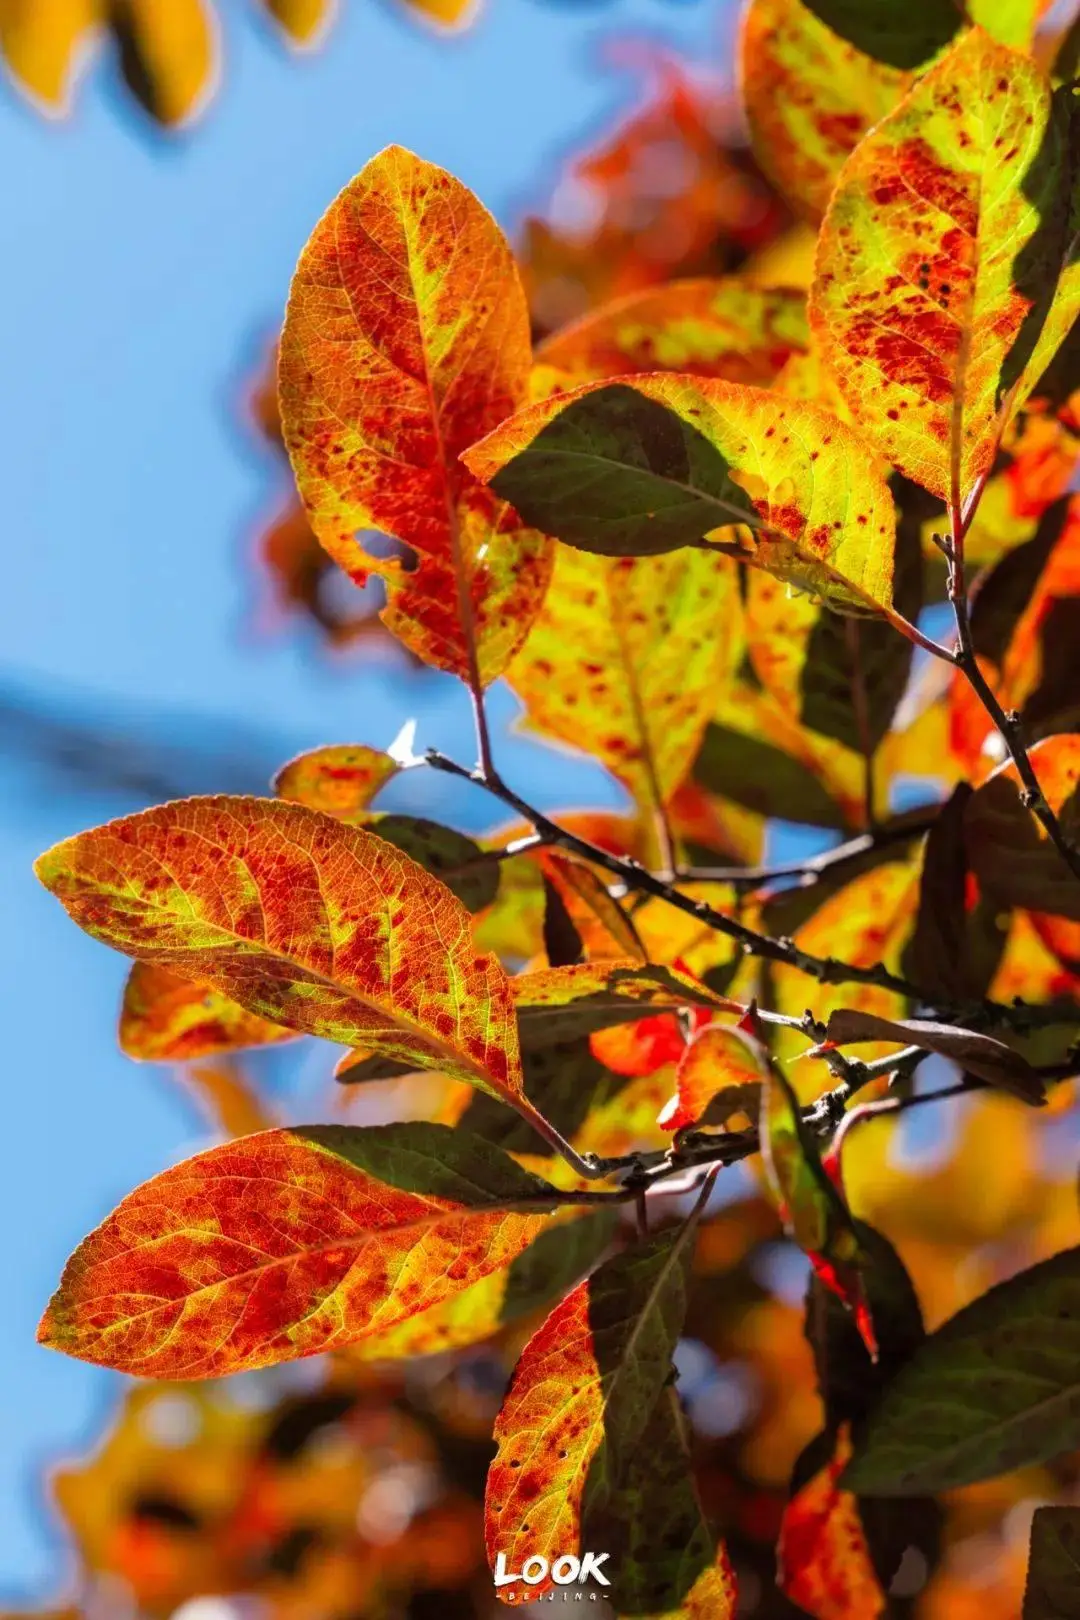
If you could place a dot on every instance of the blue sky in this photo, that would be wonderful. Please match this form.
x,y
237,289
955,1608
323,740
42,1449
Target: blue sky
x,y
140,277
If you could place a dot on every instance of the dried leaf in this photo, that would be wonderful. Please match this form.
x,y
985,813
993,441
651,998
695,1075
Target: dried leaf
x,y
288,1243
407,338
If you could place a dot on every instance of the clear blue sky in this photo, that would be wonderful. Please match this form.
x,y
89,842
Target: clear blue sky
x,y
140,276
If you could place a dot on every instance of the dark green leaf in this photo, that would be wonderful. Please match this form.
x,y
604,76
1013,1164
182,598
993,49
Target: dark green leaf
x,y
760,777
903,33
997,1387
1053,1579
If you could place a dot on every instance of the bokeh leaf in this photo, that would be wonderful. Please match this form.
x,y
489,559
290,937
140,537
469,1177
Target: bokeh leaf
x,y
167,1019
1053,1581
723,328
406,339
288,1243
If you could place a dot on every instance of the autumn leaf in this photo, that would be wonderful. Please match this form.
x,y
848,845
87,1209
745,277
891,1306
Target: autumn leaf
x,y
642,466
603,928
581,1399
622,660
824,1560
303,921
1009,850
720,1073
40,45
907,33
302,21
810,1205
553,1262
406,339
945,278
341,780
564,1081
559,1004
289,1243
168,54
810,96
167,1019
723,328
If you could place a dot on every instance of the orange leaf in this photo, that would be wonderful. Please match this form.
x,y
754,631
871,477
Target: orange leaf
x,y
406,339
721,1068
167,1019
302,920
168,54
810,97
559,1004
288,1243
825,1563
605,930
342,779
721,328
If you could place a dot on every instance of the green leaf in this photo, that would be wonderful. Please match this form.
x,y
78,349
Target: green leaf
x,y
1053,1579
760,777
644,466
997,1387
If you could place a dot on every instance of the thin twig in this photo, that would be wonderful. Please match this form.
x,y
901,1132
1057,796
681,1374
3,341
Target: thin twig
x,y
906,828
1008,723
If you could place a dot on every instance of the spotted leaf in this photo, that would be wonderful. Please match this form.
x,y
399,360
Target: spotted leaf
x,y
560,1004
825,1563
288,1243
406,339
302,920
642,466
166,1019
623,660
810,97
720,1073
341,779
946,272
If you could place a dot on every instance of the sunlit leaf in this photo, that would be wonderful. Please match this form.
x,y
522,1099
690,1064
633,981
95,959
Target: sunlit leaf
x,y
406,339
288,1243
809,97
304,21
559,1004
707,328
945,277
168,54
995,1388
839,677
623,660
301,920
657,462
1010,852
1053,1581
342,780
720,1073
824,1560
444,13
553,1262
581,1399
166,1019
604,929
